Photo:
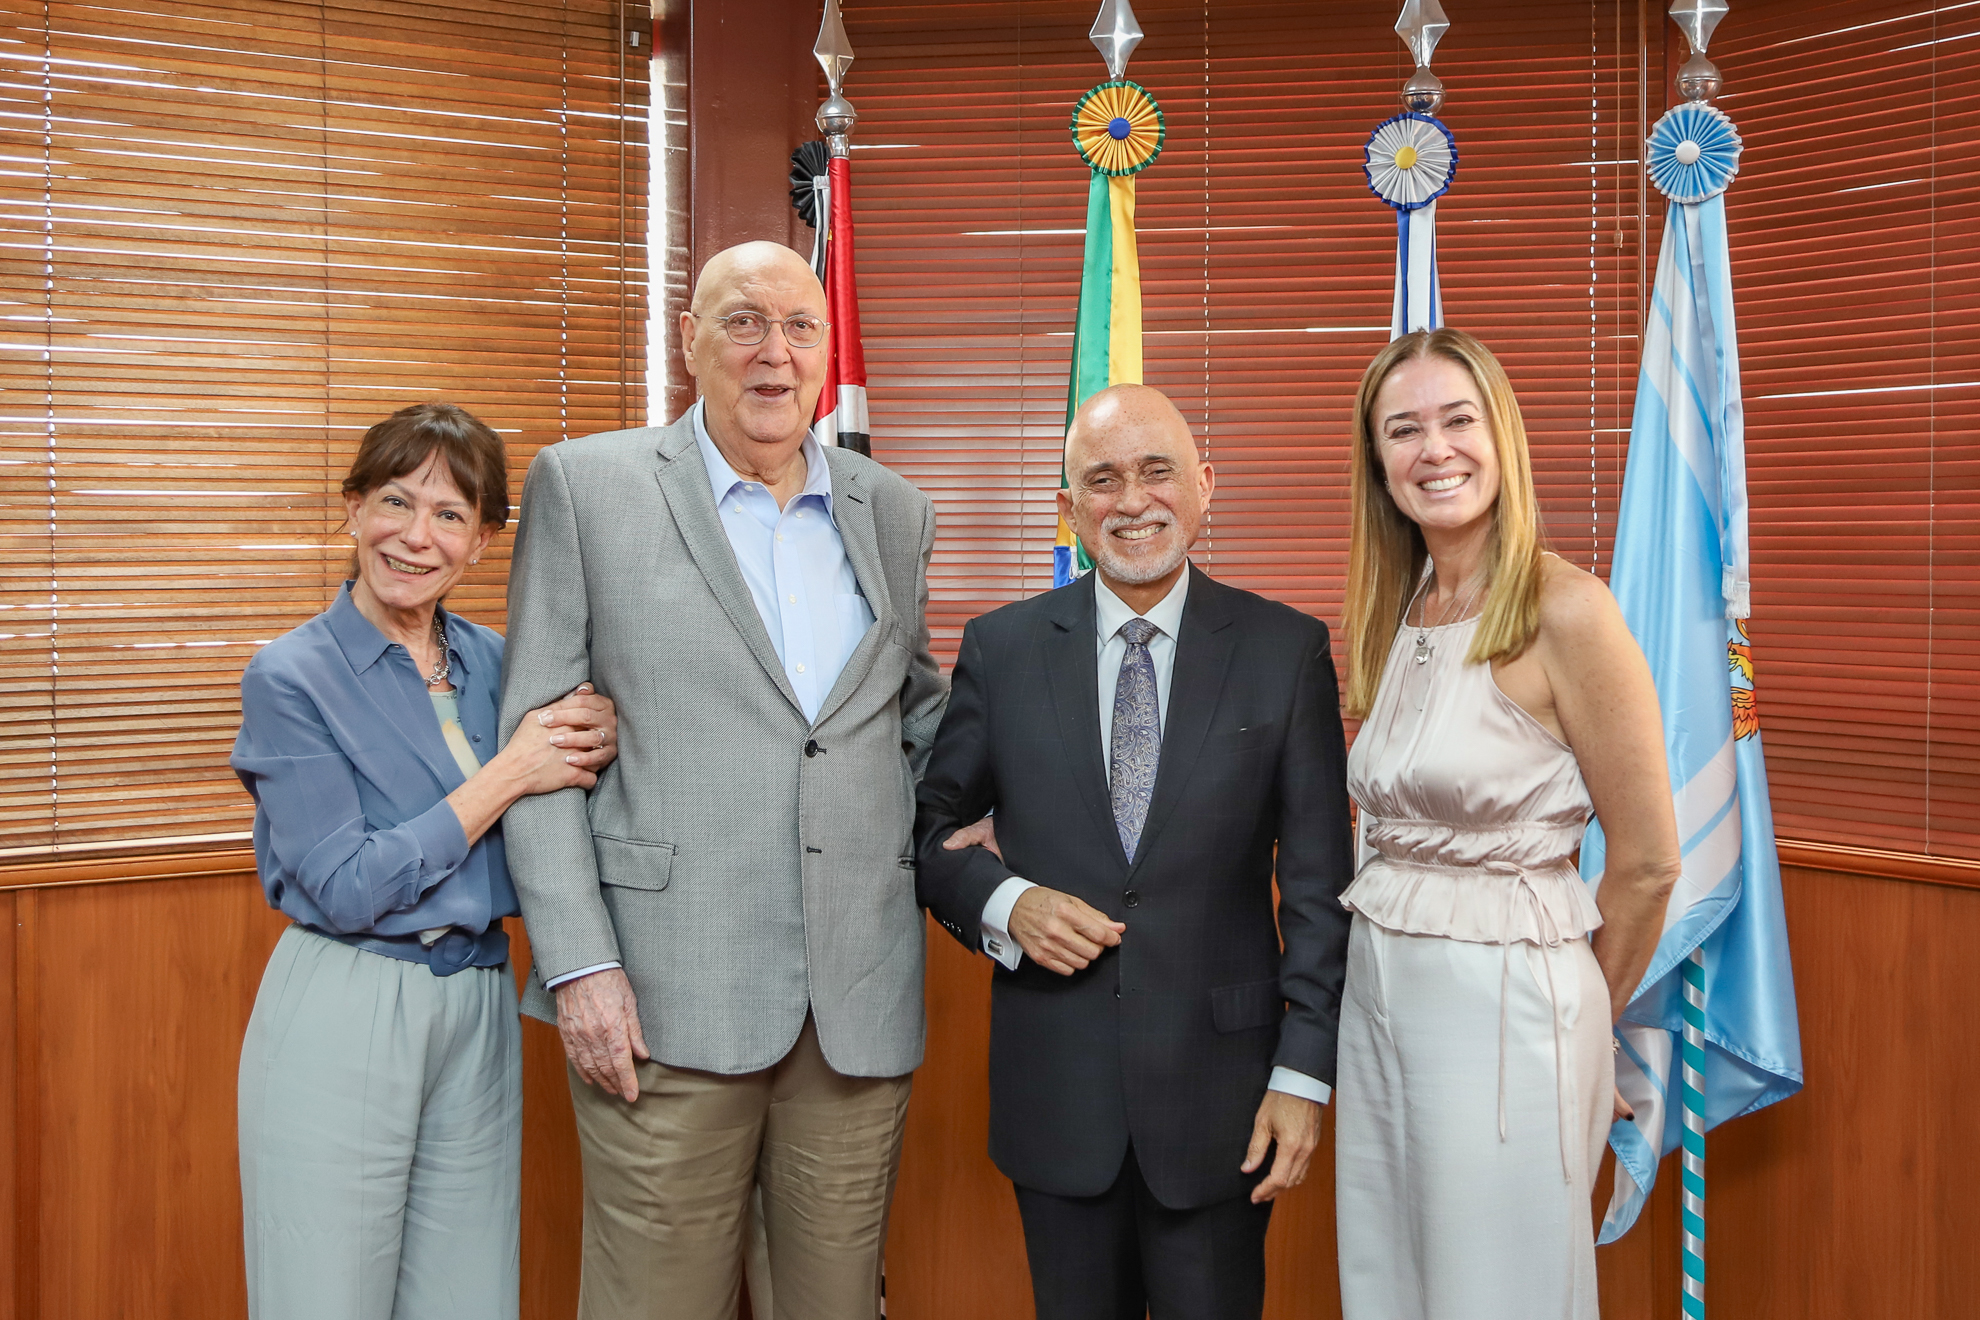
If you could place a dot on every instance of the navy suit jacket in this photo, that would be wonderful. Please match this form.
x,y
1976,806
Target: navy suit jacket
x,y
1167,1041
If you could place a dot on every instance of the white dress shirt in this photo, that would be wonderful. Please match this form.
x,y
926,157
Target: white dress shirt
x,y
1109,613
794,562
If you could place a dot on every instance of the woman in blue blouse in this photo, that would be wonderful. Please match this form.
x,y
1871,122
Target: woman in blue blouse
x,y
381,1077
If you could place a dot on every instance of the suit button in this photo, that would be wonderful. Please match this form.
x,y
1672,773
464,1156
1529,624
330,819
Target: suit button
x,y
811,747
1132,898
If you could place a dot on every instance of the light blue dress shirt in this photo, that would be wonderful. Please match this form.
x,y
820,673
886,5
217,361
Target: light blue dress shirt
x,y
1110,612
795,564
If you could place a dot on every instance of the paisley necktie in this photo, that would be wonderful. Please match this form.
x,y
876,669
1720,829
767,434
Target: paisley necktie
x,y
1136,743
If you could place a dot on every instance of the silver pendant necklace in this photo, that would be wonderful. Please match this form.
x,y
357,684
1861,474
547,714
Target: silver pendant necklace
x,y
1424,650
445,668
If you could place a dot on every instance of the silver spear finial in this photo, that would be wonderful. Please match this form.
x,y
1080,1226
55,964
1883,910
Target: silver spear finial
x,y
1116,33
1422,25
1698,79
1698,18
834,52
836,116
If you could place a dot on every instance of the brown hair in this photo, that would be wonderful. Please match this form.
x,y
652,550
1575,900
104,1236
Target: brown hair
x,y
469,446
1387,554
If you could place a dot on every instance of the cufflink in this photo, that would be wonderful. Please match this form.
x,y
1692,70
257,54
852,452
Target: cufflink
x,y
996,948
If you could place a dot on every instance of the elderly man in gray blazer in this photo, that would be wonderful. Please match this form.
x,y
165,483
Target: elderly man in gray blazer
x,y
726,933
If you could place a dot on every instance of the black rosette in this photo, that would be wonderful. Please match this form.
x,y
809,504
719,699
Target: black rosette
x,y
808,162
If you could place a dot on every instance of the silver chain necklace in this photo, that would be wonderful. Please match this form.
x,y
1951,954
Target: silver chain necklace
x,y
446,665
1424,650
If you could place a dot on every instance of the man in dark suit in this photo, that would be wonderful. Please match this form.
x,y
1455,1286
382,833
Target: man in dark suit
x,y
1149,740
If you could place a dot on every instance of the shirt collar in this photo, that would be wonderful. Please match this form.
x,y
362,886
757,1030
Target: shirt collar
x,y
362,643
722,478
1110,611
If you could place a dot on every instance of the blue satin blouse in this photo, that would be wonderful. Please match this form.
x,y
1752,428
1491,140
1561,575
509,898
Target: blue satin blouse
x,y
342,751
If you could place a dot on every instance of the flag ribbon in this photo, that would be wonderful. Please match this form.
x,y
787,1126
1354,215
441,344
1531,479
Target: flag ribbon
x,y
841,416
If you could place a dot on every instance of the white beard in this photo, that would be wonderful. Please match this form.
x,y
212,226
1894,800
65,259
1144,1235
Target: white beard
x,y
1133,572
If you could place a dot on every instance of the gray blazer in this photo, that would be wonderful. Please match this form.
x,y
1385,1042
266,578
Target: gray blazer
x,y
742,864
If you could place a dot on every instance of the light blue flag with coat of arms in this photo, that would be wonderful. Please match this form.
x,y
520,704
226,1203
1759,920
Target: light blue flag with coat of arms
x,y
1680,574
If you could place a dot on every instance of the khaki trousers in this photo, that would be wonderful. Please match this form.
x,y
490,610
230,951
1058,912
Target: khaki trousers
x,y
667,1183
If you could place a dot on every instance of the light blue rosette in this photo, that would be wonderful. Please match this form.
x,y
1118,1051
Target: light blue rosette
x,y
1410,161
1694,152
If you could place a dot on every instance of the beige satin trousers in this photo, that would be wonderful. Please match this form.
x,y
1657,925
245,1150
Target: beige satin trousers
x,y
1440,1216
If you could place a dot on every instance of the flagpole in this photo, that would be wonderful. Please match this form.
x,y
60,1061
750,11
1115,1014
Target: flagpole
x,y
1698,81
1694,1135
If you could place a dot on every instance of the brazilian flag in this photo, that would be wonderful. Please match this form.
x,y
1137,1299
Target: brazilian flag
x,y
1118,129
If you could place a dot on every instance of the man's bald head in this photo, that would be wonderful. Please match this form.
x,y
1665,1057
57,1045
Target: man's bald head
x,y
757,398
1142,410
733,267
1135,490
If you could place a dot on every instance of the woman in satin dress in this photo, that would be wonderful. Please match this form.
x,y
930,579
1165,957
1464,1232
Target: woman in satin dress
x,y
1504,702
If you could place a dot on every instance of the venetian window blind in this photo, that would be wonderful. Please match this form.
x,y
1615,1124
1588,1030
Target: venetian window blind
x,y
1856,260
1266,269
1267,264
232,236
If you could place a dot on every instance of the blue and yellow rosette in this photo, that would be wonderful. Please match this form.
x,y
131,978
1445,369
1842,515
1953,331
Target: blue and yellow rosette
x,y
1118,128
1694,153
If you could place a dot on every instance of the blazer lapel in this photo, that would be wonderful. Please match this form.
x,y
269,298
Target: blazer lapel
x,y
852,513
1203,654
1073,673
684,481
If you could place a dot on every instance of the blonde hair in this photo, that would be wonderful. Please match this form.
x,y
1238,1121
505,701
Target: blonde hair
x,y
1387,554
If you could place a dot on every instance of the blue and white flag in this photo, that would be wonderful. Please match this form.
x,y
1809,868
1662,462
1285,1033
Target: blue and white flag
x,y
1680,574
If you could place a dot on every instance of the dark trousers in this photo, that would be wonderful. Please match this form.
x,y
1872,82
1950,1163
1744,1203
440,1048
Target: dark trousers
x,y
1123,1255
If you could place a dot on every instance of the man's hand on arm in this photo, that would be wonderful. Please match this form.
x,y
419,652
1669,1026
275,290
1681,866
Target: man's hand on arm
x,y
983,835
1292,1124
1059,932
599,1020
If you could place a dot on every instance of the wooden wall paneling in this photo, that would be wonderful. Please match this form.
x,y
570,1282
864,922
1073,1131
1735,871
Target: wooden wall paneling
x,y
128,1001
955,1249
10,1205
144,994
553,1178
25,1182
1640,1277
1854,1198
1302,1272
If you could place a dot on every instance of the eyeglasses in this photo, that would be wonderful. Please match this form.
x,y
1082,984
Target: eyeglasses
x,y
748,328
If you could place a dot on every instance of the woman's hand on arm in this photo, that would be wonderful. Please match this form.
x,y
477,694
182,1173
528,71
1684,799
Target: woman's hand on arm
x,y
554,747
587,726
1607,704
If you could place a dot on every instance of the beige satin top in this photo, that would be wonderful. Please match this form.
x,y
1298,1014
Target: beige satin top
x,y
1471,807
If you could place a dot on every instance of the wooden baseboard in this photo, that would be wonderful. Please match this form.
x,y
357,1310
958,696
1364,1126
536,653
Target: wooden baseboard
x,y
1884,865
180,865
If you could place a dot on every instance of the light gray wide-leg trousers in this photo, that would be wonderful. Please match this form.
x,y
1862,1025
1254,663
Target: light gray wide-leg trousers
x,y
381,1138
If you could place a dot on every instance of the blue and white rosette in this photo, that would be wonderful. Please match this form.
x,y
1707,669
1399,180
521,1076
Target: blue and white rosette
x,y
1410,161
1694,153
